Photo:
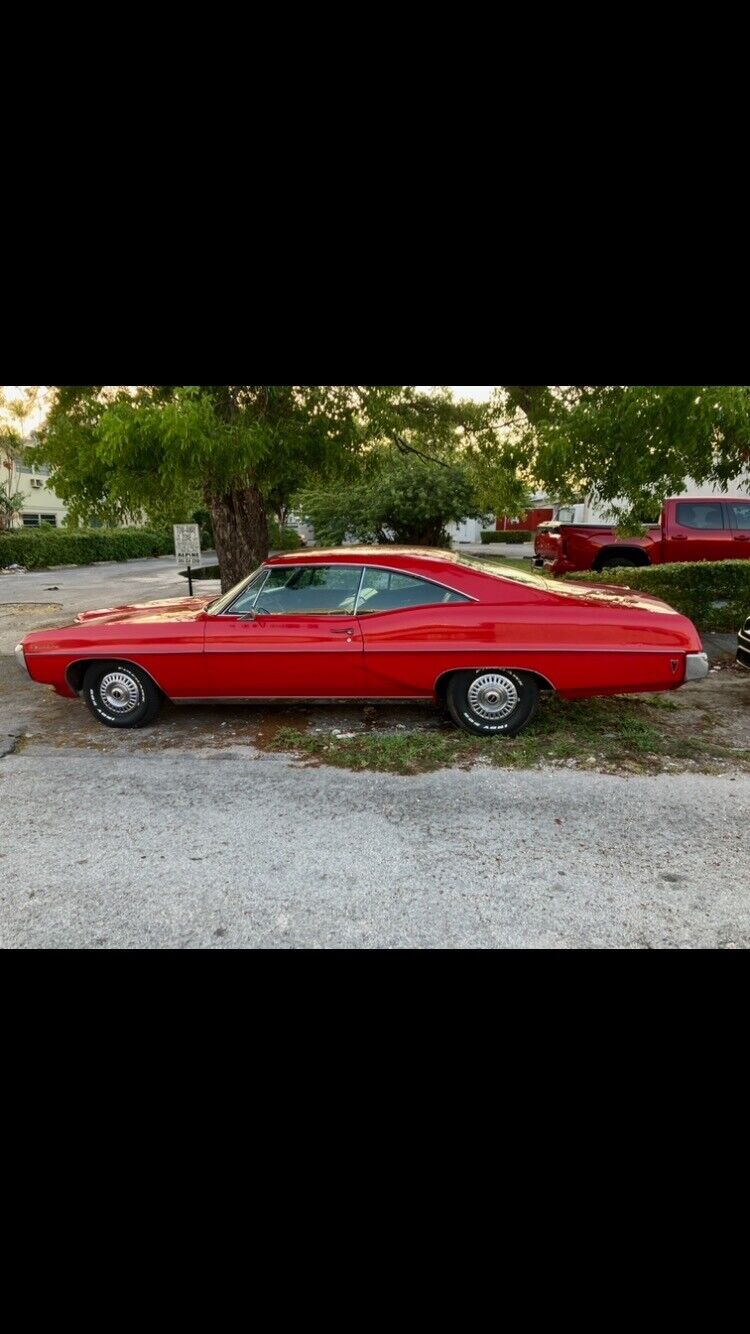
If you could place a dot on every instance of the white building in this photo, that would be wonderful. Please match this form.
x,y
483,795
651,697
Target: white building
x,y
31,481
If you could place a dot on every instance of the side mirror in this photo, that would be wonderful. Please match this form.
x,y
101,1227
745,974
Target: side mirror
x,y
248,615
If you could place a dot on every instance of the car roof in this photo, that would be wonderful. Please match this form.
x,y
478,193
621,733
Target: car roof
x,y
462,570
357,554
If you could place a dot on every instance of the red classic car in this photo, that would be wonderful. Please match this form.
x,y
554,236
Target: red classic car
x,y
372,623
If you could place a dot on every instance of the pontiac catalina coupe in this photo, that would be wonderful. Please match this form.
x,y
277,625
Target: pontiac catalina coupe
x,y
372,623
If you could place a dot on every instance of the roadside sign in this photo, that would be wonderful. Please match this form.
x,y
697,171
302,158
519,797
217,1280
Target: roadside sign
x,y
187,544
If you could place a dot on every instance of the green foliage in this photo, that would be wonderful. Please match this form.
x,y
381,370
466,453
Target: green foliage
x,y
715,595
38,548
630,445
10,505
396,498
283,539
513,535
166,449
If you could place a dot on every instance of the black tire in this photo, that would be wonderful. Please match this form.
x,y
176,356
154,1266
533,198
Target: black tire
x,y
492,702
120,695
619,562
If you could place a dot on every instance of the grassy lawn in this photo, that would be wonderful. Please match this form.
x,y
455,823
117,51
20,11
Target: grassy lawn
x,y
619,734
518,564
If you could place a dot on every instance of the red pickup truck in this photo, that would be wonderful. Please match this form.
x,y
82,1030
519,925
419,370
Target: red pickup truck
x,y
689,530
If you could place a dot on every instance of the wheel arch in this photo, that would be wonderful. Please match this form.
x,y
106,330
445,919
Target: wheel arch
x,y
440,690
75,671
604,559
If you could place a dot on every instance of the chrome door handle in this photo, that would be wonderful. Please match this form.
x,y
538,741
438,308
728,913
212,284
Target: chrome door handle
x,y
741,537
349,631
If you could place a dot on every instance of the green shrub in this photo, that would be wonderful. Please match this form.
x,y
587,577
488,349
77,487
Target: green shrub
x,y
507,535
283,540
38,548
714,594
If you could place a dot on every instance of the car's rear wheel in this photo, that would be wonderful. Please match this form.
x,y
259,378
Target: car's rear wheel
x,y
492,703
120,695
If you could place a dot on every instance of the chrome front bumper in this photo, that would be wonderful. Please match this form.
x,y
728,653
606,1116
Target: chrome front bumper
x,y
696,666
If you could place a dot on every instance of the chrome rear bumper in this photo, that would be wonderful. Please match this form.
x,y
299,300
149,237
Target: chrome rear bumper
x,y
696,666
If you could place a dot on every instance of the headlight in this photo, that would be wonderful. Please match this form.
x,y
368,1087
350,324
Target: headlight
x,y
21,659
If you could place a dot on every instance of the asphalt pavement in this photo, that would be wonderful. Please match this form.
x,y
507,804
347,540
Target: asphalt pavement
x,y
236,849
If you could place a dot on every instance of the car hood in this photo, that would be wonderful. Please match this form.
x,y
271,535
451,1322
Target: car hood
x,y
162,611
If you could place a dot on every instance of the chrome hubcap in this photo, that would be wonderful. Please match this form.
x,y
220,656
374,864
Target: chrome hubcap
x,y
492,697
119,692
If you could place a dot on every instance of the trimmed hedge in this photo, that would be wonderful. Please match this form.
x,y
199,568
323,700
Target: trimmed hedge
x,y
507,535
714,594
38,548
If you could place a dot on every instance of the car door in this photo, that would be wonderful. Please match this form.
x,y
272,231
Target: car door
x,y
699,531
291,635
739,520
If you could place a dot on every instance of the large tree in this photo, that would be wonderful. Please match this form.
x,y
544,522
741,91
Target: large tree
x,y
237,450
241,451
629,444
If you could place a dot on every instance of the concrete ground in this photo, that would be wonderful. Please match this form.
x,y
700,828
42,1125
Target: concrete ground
x,y
189,835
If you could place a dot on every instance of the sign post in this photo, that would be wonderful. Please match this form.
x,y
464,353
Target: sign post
x,y
187,548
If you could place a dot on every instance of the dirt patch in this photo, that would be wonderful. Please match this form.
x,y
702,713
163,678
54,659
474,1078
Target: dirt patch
x,y
29,608
716,711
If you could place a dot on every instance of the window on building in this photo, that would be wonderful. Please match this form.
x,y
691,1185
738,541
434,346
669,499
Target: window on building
x,y
36,520
33,469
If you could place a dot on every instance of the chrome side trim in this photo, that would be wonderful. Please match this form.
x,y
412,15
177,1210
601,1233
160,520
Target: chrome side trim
x,y
309,699
696,666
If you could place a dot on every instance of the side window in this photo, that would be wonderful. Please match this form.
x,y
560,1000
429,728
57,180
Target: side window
x,y
707,517
309,590
386,590
741,516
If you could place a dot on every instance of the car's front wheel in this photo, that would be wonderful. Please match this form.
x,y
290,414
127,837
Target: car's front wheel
x,y
492,703
120,695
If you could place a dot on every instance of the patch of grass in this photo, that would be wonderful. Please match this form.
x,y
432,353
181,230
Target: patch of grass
x,y
515,563
412,752
611,734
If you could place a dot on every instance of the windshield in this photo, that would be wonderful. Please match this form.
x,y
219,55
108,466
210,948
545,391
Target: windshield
x,y
226,599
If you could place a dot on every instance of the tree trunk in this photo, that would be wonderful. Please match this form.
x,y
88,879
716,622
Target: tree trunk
x,y
240,526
